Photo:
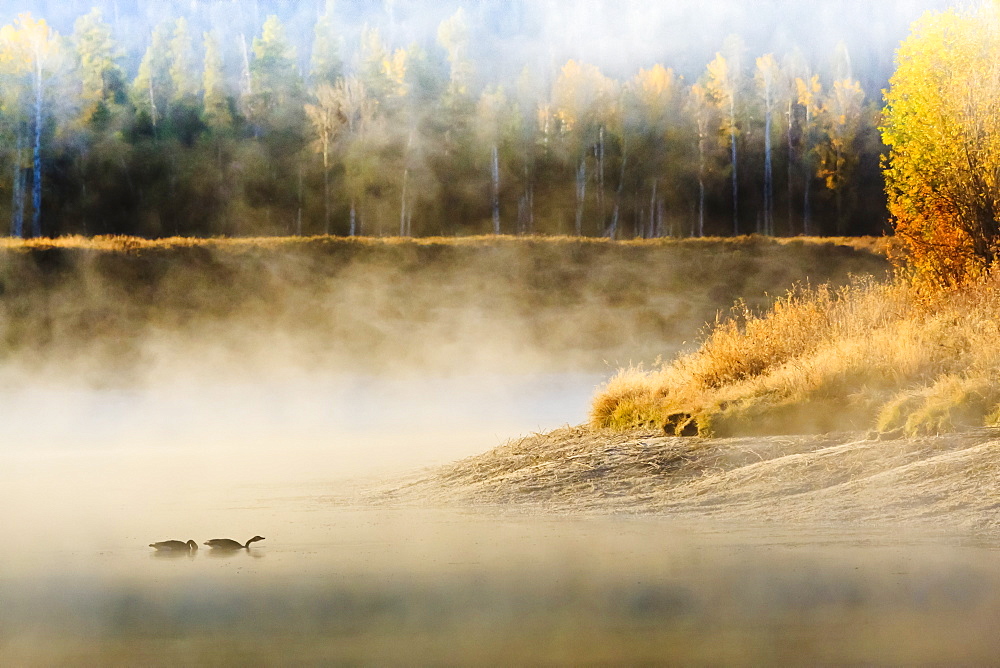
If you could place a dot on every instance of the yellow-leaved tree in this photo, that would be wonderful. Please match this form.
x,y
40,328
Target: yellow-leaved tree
x,y
942,125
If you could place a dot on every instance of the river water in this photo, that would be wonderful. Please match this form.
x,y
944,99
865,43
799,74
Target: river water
x,y
89,477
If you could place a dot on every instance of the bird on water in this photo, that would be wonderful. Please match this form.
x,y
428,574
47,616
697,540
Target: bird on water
x,y
230,544
175,545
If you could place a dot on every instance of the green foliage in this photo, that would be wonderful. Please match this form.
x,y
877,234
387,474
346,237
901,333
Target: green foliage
x,y
326,63
184,86
152,88
216,106
98,65
276,97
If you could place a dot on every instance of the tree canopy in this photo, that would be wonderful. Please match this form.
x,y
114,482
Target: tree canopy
x,y
209,123
942,125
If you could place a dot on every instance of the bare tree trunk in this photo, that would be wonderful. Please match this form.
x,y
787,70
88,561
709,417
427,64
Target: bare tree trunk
x,y
768,177
17,204
736,188
298,214
701,186
247,84
652,213
36,184
791,153
661,229
496,189
637,218
600,174
526,206
806,210
326,189
581,193
402,204
613,228
153,113
839,191
221,192
531,206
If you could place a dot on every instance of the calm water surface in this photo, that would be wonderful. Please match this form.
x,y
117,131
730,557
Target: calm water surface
x,y
83,493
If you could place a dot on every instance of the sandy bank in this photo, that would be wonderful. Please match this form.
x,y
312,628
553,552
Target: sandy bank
x,y
948,482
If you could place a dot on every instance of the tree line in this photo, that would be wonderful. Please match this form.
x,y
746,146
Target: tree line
x,y
393,140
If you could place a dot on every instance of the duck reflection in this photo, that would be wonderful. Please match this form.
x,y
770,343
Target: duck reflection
x,y
174,548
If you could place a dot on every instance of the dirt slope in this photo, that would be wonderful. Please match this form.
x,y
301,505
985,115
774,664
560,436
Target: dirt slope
x,y
949,482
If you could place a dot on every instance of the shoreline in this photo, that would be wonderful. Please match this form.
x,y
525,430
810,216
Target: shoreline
x,y
846,480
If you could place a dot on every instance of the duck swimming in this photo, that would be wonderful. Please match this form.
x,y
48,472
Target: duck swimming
x,y
230,544
175,545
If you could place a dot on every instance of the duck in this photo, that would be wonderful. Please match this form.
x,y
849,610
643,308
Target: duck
x,y
230,544
175,545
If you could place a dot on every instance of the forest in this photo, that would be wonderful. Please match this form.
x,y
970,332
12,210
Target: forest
x,y
220,118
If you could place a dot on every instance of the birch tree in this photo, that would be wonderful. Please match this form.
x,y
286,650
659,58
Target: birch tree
x,y
653,113
491,112
768,78
15,105
326,116
724,82
151,89
360,142
33,46
809,92
583,98
703,110
840,120
794,68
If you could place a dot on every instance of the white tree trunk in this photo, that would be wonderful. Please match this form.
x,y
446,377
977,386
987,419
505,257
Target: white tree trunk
x,y
36,184
17,211
581,194
768,177
496,190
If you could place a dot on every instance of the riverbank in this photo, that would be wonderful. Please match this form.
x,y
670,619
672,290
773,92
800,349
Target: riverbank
x,y
848,480
116,309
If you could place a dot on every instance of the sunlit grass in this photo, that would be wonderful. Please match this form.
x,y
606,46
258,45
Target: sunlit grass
x,y
128,243
869,355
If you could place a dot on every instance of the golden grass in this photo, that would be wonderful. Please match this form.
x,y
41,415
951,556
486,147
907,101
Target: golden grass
x,y
869,355
877,245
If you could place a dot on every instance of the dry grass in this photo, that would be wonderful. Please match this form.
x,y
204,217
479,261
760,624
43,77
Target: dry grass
x,y
869,355
878,245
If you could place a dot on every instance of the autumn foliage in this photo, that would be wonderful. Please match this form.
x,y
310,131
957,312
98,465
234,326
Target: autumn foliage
x,y
942,124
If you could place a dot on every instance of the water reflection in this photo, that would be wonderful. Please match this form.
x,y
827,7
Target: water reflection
x,y
424,587
347,585
234,554
172,554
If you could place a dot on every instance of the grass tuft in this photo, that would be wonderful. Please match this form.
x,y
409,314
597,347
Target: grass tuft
x,y
868,355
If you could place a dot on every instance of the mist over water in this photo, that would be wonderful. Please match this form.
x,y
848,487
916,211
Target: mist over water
x,y
84,488
275,406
